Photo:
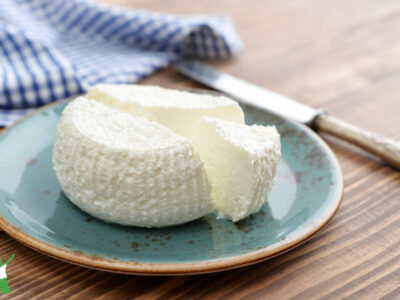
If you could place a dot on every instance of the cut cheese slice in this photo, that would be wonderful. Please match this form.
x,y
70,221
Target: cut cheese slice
x,y
128,170
241,162
176,109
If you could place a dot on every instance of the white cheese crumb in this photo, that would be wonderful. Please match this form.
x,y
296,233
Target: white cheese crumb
x,y
241,162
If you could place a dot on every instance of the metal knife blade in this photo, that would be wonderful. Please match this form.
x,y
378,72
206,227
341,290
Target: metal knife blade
x,y
248,93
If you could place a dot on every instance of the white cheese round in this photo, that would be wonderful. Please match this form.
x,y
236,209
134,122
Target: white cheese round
x,y
241,162
128,170
176,109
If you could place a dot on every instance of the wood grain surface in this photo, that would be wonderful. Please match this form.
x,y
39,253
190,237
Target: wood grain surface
x,y
343,56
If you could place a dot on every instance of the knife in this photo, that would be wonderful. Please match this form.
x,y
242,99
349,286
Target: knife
x,y
317,119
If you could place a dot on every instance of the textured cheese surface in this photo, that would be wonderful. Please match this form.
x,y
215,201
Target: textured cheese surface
x,y
178,110
241,162
128,170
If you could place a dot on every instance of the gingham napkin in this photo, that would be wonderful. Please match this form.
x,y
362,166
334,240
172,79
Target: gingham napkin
x,y
53,49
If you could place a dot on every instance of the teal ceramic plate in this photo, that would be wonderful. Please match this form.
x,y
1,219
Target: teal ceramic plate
x,y
33,209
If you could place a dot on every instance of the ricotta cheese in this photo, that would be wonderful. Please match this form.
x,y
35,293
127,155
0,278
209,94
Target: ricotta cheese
x,y
241,162
127,170
176,109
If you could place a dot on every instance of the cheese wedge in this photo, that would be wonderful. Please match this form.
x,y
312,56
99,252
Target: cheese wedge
x,y
176,109
241,162
128,170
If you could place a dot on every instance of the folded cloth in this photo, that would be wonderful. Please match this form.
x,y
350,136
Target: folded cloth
x,y
53,49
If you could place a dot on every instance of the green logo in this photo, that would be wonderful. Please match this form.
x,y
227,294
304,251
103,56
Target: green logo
x,y
4,288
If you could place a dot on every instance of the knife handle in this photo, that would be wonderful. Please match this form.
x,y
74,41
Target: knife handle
x,y
387,149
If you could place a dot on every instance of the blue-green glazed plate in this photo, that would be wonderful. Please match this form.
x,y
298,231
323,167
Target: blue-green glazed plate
x,y
33,209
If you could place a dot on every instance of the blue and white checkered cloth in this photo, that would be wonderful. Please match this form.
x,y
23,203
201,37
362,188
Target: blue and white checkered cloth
x,y
53,49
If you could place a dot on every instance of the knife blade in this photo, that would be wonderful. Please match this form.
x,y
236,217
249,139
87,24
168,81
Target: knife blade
x,y
248,93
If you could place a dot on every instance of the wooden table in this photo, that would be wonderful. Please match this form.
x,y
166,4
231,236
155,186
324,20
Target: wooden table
x,y
343,56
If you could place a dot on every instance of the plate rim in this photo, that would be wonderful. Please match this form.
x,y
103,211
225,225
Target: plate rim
x,y
189,268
